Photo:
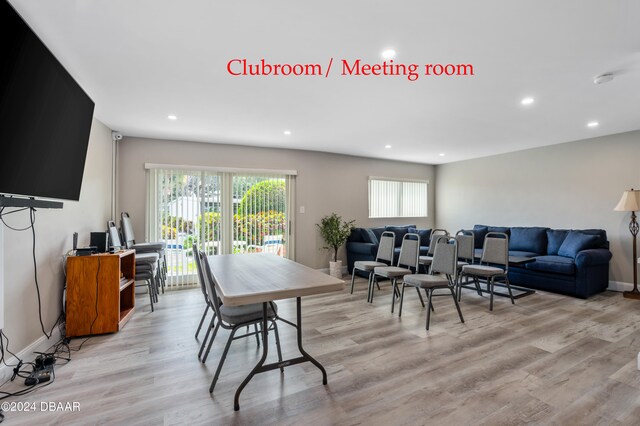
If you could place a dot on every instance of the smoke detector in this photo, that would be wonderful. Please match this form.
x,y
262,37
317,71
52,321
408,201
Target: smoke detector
x,y
603,78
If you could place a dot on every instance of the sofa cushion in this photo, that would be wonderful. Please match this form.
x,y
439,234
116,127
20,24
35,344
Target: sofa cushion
x,y
523,253
555,238
479,232
577,241
425,235
477,253
531,239
368,236
378,231
503,229
400,232
600,233
553,264
356,236
361,249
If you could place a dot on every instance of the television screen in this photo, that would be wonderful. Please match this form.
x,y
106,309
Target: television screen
x,y
45,117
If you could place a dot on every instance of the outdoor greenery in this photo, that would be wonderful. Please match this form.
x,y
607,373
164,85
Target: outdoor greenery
x,y
261,212
335,232
265,196
172,225
255,226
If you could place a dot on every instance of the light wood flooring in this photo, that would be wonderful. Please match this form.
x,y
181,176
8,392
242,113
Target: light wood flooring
x,y
548,359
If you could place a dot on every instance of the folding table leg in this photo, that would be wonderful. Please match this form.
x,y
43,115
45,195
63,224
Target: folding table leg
x,y
265,346
300,348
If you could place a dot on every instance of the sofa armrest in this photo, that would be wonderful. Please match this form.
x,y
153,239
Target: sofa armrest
x,y
362,248
593,257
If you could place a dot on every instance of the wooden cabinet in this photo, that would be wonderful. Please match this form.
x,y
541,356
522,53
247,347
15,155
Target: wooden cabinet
x,y
100,292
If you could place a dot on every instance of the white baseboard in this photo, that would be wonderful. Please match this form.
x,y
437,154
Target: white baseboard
x,y
27,354
619,286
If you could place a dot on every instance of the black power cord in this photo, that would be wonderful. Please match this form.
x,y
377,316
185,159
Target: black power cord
x,y
97,294
61,351
32,220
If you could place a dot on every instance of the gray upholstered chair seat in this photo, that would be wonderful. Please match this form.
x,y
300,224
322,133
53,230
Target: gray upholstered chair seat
x,y
482,270
461,264
426,280
367,265
425,260
445,258
385,252
391,271
245,313
147,258
149,247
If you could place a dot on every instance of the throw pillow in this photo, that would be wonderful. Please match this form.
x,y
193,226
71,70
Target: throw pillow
x,y
425,235
555,238
576,242
532,239
479,232
400,232
368,236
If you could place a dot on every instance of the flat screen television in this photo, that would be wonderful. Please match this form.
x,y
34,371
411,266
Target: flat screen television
x,y
45,117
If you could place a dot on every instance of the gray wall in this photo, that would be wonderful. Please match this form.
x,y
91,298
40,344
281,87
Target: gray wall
x,y
54,229
326,183
571,185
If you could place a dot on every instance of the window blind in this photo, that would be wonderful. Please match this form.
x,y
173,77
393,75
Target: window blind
x,y
397,198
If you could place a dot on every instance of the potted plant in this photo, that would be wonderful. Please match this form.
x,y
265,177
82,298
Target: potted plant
x,y
335,232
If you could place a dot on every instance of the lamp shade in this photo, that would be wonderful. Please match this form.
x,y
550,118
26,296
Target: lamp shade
x,y
630,202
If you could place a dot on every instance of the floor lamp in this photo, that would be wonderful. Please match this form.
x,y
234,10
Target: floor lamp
x,y
630,202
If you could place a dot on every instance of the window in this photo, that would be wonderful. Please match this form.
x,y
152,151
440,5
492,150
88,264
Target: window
x,y
221,210
397,198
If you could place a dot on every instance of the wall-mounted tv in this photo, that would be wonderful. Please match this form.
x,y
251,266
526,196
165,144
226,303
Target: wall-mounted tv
x,y
45,117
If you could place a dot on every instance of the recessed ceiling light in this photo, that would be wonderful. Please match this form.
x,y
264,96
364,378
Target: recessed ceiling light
x,y
172,117
603,78
527,101
388,53
441,154
387,146
287,132
593,124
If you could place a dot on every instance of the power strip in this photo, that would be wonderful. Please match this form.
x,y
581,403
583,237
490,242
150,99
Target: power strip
x,y
42,370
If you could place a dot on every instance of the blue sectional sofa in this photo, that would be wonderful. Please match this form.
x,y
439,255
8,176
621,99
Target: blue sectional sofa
x,y
363,243
573,262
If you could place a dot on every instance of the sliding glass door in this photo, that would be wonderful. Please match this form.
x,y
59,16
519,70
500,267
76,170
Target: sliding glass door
x,y
221,212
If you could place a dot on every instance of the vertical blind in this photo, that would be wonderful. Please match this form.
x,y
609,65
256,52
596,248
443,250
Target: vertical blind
x,y
397,198
221,212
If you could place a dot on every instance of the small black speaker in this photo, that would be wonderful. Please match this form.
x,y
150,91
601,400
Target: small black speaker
x,y
100,240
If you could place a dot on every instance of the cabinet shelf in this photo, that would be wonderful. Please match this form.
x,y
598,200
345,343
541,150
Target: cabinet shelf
x,y
126,283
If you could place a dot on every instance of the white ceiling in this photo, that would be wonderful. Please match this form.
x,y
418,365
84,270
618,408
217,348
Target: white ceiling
x,y
142,60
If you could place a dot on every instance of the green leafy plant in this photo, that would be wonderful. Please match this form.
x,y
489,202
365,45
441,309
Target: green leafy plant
x,y
268,195
335,232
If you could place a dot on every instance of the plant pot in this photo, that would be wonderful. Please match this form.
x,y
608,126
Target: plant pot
x,y
335,269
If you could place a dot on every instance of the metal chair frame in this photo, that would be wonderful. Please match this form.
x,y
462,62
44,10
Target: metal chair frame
x,y
495,251
384,257
409,252
445,261
425,261
213,296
